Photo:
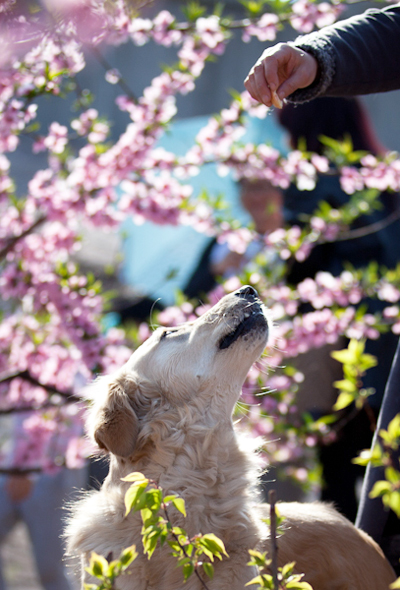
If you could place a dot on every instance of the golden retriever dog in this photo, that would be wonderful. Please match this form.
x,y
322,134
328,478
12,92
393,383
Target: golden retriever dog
x,y
168,414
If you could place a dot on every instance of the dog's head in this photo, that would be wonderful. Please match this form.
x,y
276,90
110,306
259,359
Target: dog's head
x,y
204,362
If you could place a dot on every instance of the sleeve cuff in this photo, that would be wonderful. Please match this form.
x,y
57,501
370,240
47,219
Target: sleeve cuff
x,y
323,53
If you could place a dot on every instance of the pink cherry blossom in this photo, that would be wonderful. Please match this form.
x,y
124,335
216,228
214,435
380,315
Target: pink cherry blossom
x,y
57,138
264,29
308,14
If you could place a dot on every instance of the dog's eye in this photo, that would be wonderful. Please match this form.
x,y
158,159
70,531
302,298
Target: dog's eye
x,y
167,333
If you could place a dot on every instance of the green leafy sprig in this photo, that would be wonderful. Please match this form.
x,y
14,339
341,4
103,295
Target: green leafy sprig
x,y
196,554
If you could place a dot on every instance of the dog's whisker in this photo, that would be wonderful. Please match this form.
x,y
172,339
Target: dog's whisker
x,y
153,326
242,409
277,348
245,407
262,393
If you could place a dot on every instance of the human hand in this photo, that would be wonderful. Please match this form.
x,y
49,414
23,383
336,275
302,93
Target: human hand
x,y
279,71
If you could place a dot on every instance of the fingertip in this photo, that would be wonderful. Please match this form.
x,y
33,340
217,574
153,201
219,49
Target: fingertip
x,y
284,90
281,95
252,91
265,98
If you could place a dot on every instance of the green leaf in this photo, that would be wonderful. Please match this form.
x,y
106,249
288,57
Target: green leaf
x,y
257,580
213,544
135,477
187,569
175,546
287,569
298,586
178,531
150,543
128,555
148,517
392,500
97,565
392,434
258,559
169,499
208,553
343,400
208,569
373,456
113,569
346,385
367,362
193,10
380,488
392,475
346,356
135,497
153,500
179,504
253,7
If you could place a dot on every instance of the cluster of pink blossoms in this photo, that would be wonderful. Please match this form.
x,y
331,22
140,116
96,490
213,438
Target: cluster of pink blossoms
x,y
54,334
51,335
373,173
306,15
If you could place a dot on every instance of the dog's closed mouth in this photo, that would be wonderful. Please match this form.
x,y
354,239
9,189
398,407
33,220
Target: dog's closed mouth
x,y
246,325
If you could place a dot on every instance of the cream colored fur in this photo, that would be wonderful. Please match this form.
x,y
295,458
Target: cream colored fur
x,y
167,413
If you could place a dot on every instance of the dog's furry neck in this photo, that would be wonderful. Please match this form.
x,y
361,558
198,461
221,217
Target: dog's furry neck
x,y
201,461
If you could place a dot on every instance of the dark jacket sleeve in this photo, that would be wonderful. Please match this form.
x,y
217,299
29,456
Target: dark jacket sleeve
x,y
360,55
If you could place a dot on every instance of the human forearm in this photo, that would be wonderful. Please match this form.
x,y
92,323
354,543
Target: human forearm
x,y
360,55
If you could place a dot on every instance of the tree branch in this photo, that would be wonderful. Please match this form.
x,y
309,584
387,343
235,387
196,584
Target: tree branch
x,y
68,396
274,544
366,230
196,572
15,239
107,66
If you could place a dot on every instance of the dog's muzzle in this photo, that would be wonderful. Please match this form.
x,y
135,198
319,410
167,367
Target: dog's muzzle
x,y
250,316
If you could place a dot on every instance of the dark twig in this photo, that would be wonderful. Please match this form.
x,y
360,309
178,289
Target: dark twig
x,y
274,544
15,239
367,230
107,66
183,549
26,376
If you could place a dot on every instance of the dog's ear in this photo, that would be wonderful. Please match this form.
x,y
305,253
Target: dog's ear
x,y
114,424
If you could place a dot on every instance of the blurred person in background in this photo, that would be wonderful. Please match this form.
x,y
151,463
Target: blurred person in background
x,y
37,499
263,202
307,124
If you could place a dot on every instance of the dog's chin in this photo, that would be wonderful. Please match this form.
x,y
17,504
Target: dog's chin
x,y
252,322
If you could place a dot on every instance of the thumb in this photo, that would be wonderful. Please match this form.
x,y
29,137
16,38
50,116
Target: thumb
x,y
293,83
301,77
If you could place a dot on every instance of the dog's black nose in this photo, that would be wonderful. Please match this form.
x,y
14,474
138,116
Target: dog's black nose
x,y
246,291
